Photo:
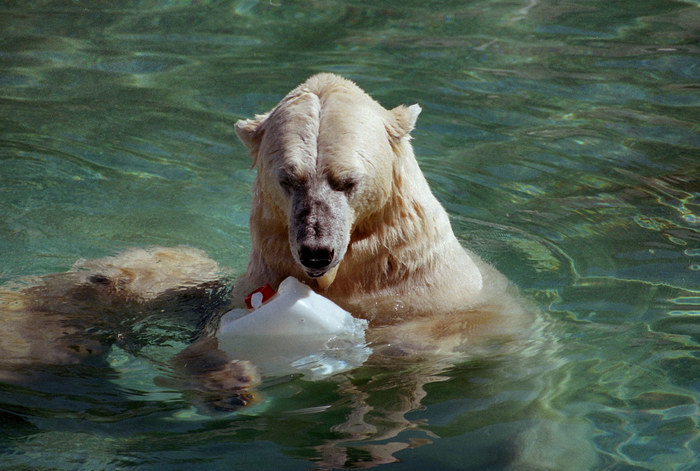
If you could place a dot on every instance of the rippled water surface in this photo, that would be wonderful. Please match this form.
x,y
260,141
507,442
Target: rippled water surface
x,y
562,137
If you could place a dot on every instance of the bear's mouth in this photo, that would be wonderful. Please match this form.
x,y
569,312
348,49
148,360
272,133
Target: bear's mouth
x,y
319,264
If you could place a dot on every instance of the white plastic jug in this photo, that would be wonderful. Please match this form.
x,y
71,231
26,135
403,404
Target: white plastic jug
x,y
296,331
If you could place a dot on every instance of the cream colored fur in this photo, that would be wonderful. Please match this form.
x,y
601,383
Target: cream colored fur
x,y
402,266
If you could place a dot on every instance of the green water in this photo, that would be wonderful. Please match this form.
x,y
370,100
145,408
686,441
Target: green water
x,y
562,137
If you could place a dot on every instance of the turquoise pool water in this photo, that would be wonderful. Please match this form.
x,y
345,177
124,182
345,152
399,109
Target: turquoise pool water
x,y
561,136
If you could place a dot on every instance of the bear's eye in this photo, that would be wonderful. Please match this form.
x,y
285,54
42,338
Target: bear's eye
x,y
99,279
346,184
288,181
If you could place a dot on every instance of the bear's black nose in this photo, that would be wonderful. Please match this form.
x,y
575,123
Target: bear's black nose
x,y
315,259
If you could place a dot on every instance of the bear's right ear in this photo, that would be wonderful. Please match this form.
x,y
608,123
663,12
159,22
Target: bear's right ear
x,y
404,120
249,131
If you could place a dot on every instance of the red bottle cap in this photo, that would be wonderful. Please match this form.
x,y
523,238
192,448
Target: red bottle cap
x,y
266,291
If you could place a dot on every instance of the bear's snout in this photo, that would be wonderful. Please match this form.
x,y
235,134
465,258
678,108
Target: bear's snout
x,y
319,226
316,260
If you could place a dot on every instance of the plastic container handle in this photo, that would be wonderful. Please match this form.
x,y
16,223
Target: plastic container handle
x,y
256,299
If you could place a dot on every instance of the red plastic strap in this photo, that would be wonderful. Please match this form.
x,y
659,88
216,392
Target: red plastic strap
x,y
266,291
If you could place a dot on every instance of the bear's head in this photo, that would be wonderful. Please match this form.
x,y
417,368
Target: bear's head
x,y
144,274
325,157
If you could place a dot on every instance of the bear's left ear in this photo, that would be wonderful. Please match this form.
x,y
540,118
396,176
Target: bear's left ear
x,y
249,131
404,120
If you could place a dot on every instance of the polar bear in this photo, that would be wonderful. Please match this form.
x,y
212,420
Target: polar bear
x,y
73,317
341,203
